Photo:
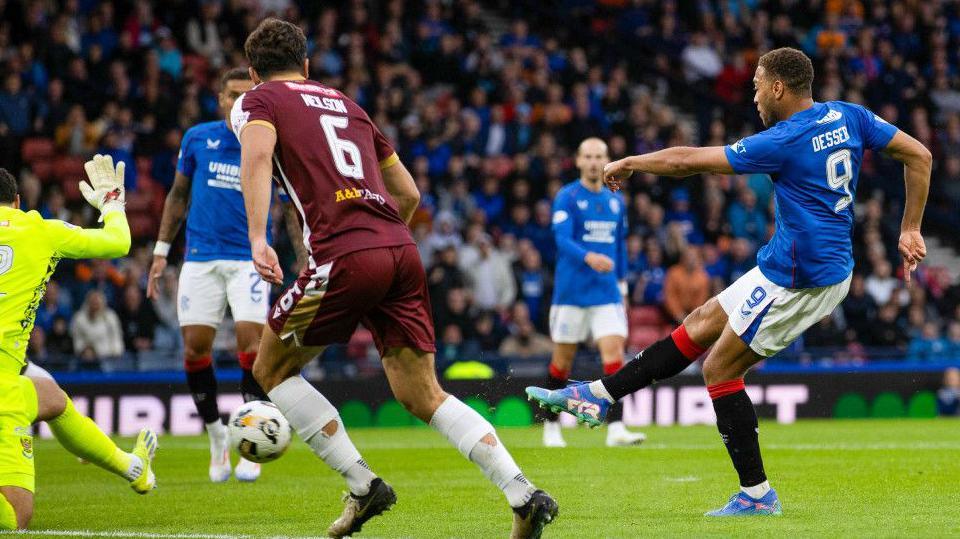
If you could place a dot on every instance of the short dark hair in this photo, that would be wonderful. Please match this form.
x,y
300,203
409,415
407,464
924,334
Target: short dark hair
x,y
237,73
8,187
792,67
276,46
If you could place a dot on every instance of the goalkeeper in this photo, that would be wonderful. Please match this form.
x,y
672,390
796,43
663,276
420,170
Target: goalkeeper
x,y
30,248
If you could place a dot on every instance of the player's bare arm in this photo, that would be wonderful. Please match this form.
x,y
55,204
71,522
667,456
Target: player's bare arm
x,y
257,142
917,162
292,222
402,188
679,161
174,213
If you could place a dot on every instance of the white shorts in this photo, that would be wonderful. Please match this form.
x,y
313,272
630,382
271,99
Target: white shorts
x,y
768,317
570,324
207,287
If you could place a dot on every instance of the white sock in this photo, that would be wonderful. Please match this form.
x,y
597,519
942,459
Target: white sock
x,y
466,429
616,427
599,390
216,428
757,491
308,412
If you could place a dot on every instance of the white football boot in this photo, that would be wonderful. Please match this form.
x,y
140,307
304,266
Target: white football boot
x,y
552,436
219,452
246,470
618,435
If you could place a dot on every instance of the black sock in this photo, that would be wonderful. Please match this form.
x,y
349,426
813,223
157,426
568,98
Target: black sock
x,y
553,382
659,361
737,423
615,412
203,387
250,389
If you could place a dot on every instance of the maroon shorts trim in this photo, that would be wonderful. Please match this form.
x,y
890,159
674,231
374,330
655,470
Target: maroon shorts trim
x,y
383,288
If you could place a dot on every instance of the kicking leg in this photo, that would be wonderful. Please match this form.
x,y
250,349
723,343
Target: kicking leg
x,y
663,359
79,435
413,380
198,364
561,362
611,357
318,423
723,373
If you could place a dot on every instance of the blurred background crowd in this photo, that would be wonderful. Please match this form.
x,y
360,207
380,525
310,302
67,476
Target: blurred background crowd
x,y
486,103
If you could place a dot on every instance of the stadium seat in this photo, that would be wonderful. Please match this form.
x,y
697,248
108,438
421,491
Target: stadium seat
x,y
43,169
142,225
645,316
36,149
643,336
361,341
71,190
139,201
68,169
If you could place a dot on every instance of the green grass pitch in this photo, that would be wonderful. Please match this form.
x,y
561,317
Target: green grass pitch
x,y
868,478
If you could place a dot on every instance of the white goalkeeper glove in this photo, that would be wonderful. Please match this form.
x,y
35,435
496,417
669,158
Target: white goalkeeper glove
x,y
105,190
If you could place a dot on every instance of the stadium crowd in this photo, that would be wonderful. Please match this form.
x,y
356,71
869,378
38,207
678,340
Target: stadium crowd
x,y
486,102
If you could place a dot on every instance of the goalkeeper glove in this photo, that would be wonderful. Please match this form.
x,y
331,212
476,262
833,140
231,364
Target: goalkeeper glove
x,y
105,190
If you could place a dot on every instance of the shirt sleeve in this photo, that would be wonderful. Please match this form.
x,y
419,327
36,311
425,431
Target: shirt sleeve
x,y
186,160
386,155
111,241
875,131
758,153
563,229
251,108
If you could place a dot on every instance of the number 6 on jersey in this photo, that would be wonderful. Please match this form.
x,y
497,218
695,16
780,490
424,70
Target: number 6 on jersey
x,y
341,148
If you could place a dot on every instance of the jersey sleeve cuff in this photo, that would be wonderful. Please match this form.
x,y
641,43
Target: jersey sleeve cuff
x,y
393,159
731,158
258,122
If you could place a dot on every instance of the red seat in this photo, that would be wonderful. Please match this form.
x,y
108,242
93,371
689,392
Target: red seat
x,y
68,169
359,343
36,149
645,316
43,169
142,225
139,201
643,336
71,190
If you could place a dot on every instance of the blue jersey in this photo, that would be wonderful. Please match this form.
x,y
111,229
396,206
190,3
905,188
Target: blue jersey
x,y
814,160
217,221
584,221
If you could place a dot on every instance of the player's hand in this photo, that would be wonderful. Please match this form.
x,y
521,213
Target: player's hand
x,y
598,262
153,279
913,250
266,262
105,190
614,173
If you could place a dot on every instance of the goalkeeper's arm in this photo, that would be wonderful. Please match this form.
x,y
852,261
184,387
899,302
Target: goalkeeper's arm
x,y
104,192
111,241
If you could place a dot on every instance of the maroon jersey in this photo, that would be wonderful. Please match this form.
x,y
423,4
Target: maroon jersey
x,y
328,159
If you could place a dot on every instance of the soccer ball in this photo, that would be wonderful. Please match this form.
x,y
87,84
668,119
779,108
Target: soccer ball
x,y
258,431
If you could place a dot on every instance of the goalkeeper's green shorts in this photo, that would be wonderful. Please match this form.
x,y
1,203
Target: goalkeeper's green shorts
x,y
18,410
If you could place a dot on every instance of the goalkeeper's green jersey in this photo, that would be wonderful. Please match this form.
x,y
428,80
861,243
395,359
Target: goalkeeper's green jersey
x,y
30,247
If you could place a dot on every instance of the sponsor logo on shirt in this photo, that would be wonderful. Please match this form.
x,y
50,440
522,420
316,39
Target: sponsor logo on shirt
x,y
738,147
298,87
354,193
599,231
225,175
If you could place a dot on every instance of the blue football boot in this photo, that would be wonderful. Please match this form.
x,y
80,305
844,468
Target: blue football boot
x,y
576,399
742,505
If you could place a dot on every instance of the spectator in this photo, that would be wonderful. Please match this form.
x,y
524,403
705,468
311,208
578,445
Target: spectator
x,y
887,330
76,136
444,276
492,283
952,352
59,340
535,285
96,329
649,289
948,398
526,342
55,305
15,107
444,234
686,286
138,319
881,284
859,308
746,219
